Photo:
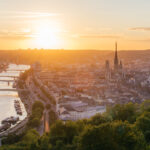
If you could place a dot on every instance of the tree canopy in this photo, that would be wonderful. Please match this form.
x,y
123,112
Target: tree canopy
x,y
122,127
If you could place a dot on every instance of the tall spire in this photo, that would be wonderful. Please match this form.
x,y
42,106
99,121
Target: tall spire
x,y
116,57
116,48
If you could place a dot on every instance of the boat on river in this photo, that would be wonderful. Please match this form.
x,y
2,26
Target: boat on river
x,y
6,123
18,107
4,127
10,120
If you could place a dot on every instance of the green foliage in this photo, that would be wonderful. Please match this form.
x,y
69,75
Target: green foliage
x,y
63,132
145,106
35,122
44,143
31,136
143,124
12,138
122,127
127,112
37,104
52,117
114,136
98,119
37,112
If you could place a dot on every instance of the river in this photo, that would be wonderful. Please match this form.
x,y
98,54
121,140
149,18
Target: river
x,y
7,98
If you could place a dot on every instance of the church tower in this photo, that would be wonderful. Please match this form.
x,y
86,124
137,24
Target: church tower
x,y
116,61
107,70
120,66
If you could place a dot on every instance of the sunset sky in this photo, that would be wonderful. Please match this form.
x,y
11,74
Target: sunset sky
x,y
74,24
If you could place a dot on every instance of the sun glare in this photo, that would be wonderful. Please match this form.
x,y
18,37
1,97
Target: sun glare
x,y
47,36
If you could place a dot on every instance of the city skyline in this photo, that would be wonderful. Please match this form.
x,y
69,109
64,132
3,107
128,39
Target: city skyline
x,y
85,24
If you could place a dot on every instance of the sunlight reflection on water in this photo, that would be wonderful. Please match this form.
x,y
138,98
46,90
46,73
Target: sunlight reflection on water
x,y
7,97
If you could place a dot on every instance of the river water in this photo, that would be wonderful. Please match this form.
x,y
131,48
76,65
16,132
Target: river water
x,y
7,98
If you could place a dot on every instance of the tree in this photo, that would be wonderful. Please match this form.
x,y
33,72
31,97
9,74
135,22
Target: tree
x,y
98,119
143,124
63,132
145,106
35,122
37,112
111,136
52,117
127,112
31,136
37,104
44,143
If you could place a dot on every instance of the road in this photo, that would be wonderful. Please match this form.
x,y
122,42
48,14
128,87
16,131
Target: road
x,y
35,92
46,122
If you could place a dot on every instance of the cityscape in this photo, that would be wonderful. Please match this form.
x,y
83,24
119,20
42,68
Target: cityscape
x,y
73,91
74,75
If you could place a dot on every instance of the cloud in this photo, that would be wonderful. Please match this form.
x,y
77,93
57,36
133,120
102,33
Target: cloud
x,y
96,36
99,29
141,40
25,14
105,29
140,29
22,34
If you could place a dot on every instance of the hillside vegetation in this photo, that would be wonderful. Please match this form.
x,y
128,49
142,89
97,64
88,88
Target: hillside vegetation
x,y
122,127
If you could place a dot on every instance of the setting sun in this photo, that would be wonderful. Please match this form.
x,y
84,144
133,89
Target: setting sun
x,y
46,35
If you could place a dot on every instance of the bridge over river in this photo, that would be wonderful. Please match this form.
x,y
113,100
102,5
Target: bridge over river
x,y
3,76
21,90
7,81
11,80
15,70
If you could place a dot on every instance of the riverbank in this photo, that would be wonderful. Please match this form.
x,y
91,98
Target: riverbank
x,y
21,125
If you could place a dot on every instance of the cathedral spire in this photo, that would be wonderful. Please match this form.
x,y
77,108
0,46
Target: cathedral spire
x,y
116,57
116,46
